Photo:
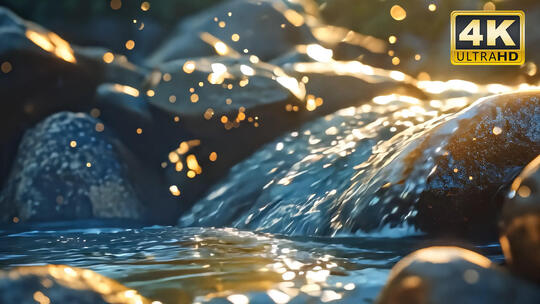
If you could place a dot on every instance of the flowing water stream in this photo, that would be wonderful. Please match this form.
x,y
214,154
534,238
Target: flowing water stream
x,y
180,265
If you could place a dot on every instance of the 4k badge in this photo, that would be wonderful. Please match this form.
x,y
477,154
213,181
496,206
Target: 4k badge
x,y
487,37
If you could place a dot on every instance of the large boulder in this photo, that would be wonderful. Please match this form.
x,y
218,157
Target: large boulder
x,y
43,74
383,166
258,24
453,275
67,167
446,176
63,284
520,223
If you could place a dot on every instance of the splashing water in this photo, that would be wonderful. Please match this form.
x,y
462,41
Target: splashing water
x,y
342,173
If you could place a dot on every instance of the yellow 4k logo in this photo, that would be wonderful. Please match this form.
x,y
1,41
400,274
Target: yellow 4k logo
x,y
487,37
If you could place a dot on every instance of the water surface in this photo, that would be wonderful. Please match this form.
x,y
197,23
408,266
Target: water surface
x,y
180,265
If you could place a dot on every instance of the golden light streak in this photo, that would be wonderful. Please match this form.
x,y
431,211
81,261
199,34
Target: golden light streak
x,y
62,48
40,40
192,163
52,43
221,48
294,17
126,90
319,53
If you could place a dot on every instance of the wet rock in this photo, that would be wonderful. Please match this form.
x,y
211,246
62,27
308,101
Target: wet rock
x,y
67,168
495,138
62,284
520,223
259,24
453,275
43,74
299,175
383,168
445,177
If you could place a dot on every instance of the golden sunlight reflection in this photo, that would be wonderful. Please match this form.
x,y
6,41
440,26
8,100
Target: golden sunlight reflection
x,y
437,87
294,17
398,13
247,70
319,53
188,67
232,264
385,99
441,255
174,190
126,90
52,43
528,170
332,35
78,279
219,46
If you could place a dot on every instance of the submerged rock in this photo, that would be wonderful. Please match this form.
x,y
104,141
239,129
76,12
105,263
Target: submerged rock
x,y
62,284
453,275
520,223
67,168
265,28
382,166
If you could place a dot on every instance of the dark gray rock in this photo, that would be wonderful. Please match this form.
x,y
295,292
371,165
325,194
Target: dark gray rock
x,y
46,75
453,275
446,176
67,169
63,284
520,223
257,22
484,147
